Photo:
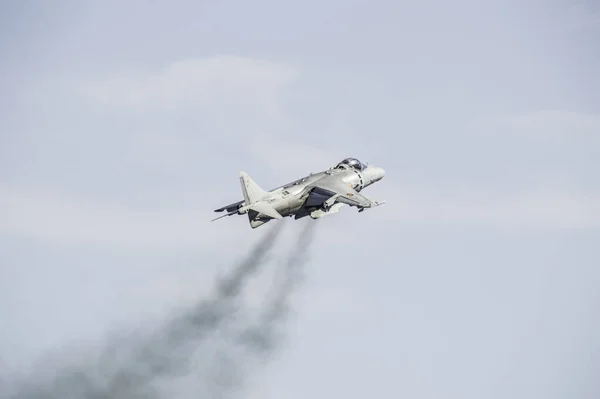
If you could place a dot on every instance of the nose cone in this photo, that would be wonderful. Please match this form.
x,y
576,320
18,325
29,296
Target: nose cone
x,y
379,173
374,173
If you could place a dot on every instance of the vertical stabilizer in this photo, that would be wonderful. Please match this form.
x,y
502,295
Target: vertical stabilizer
x,y
252,192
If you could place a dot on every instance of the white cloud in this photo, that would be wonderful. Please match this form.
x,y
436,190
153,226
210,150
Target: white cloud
x,y
528,209
293,159
54,217
542,125
223,100
167,117
565,204
228,85
197,108
49,215
57,217
205,82
229,105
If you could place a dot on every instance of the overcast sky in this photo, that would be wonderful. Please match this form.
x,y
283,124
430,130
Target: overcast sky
x,y
124,124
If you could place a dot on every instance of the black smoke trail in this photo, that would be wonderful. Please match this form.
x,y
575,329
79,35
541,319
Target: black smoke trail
x,y
215,333
264,335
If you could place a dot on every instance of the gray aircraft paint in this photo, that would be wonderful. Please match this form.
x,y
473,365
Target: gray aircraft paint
x,y
316,195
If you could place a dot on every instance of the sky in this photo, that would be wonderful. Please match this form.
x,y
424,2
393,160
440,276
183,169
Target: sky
x,y
124,124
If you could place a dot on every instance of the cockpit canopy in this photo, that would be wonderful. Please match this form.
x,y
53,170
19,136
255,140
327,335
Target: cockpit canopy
x,y
351,163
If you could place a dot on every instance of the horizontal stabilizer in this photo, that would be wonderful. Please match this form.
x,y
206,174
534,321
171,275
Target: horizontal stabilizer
x,y
231,207
265,209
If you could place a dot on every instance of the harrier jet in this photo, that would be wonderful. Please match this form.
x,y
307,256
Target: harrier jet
x,y
319,194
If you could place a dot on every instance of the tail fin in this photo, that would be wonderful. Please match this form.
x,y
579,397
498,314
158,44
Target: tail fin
x,y
252,192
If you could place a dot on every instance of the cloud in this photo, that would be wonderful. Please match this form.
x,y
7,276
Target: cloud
x,y
210,90
191,83
173,126
53,216
173,119
292,160
191,110
541,125
526,209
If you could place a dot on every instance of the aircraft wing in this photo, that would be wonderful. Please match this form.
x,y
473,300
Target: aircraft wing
x,y
344,193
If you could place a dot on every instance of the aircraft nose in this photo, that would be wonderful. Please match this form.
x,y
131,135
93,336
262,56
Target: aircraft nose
x,y
378,173
375,173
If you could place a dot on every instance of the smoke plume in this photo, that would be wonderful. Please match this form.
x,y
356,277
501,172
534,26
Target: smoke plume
x,y
205,351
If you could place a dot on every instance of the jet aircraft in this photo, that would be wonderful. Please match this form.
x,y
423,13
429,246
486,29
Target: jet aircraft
x,y
319,194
